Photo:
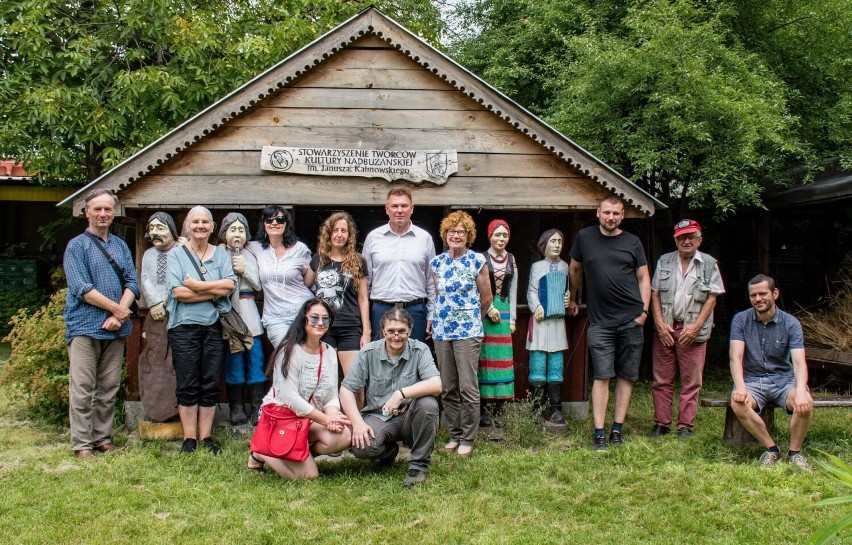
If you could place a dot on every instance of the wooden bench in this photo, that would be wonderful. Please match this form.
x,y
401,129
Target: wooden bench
x,y
736,434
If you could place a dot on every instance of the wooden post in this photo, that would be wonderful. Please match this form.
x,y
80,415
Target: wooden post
x,y
736,434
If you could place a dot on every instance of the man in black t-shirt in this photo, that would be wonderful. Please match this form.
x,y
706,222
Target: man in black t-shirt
x,y
618,292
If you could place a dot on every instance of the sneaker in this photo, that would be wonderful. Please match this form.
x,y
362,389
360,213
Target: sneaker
x,y
188,446
799,461
768,458
390,457
599,443
211,446
414,477
658,431
615,439
684,433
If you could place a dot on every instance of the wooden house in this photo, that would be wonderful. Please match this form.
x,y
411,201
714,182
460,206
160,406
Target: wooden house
x,y
370,84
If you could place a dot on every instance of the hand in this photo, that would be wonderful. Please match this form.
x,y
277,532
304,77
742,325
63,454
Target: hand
x,y
191,283
428,329
158,311
121,313
573,309
393,403
664,331
740,395
688,334
494,315
337,422
365,338
512,328
111,324
238,263
802,400
362,435
641,319
567,299
539,313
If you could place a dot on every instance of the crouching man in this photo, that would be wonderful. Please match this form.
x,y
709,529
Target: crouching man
x,y
400,382
768,366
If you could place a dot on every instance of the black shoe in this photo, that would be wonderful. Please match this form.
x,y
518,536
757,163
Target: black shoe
x,y
414,477
390,457
658,431
211,446
615,439
485,420
189,446
685,434
599,443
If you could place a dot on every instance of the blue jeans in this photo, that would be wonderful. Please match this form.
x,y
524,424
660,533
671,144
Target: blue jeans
x,y
418,316
245,367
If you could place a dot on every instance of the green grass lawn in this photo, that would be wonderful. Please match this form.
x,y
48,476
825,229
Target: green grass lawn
x,y
670,491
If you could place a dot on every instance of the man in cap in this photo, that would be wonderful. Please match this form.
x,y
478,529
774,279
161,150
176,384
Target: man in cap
x,y
683,295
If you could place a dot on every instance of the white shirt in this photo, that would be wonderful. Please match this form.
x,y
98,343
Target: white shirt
x,y
282,280
398,265
685,282
301,382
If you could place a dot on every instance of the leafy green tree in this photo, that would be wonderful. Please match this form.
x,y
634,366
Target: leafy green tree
x,y
86,83
700,103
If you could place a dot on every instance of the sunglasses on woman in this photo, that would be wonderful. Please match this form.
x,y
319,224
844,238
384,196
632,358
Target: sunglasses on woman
x,y
277,219
314,319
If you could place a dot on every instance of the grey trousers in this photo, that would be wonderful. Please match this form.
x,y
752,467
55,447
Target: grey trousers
x,y
94,377
458,362
419,425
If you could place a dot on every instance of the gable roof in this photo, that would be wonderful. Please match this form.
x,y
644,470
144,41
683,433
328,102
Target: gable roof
x,y
369,22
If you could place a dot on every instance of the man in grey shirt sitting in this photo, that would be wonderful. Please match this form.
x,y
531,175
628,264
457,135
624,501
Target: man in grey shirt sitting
x,y
400,382
768,367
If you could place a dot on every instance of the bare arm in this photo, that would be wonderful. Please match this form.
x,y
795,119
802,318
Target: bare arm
x,y
691,331
644,278
362,433
575,279
740,394
802,400
364,310
214,288
483,284
664,330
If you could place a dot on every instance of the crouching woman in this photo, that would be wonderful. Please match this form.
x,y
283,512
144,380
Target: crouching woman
x,y
304,379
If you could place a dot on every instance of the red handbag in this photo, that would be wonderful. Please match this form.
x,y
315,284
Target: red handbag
x,y
281,433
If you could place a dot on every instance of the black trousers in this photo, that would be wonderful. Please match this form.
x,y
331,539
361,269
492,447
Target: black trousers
x,y
198,354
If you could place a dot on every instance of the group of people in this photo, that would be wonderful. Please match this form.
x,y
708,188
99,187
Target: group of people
x,y
372,312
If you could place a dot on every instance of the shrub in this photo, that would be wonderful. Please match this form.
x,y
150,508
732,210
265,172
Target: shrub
x,y
521,428
37,370
11,301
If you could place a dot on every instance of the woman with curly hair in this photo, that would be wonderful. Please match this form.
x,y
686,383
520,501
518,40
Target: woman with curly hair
x,y
464,299
282,261
338,275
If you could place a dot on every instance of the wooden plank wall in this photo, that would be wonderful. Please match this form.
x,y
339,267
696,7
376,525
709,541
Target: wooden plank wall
x,y
367,96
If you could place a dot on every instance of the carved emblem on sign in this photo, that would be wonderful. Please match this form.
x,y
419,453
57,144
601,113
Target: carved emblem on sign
x,y
281,160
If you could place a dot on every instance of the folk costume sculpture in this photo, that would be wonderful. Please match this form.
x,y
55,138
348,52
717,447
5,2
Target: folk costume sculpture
x,y
496,363
244,368
547,297
156,372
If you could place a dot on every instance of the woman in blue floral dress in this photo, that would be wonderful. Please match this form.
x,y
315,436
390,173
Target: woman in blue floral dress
x,y
464,298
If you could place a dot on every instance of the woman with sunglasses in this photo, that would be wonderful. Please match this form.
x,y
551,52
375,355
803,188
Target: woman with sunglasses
x,y
282,262
304,379
338,276
464,297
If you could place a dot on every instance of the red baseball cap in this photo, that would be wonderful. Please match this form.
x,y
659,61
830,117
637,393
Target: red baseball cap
x,y
684,227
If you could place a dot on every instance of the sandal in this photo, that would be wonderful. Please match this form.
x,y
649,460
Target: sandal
x,y
258,468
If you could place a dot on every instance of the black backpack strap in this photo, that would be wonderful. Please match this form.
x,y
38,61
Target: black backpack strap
x,y
115,266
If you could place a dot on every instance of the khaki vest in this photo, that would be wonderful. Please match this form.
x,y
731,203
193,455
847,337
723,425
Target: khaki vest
x,y
668,268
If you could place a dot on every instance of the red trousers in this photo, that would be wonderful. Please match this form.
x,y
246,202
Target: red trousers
x,y
668,360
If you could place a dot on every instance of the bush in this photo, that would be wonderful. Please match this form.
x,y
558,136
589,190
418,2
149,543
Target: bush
x,y
37,370
11,301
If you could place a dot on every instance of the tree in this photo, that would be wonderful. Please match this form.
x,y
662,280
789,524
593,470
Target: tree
x,y
682,97
86,83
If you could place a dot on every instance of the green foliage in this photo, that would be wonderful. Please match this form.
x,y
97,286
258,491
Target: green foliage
x,y
37,370
521,429
86,84
11,301
842,472
703,104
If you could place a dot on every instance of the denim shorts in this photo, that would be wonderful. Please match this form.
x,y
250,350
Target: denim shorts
x,y
616,351
764,392
344,339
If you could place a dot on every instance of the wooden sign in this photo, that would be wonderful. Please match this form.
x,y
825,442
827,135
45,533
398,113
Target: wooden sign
x,y
413,165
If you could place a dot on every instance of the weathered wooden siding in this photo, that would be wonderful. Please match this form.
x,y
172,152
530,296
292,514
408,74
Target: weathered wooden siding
x,y
368,96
